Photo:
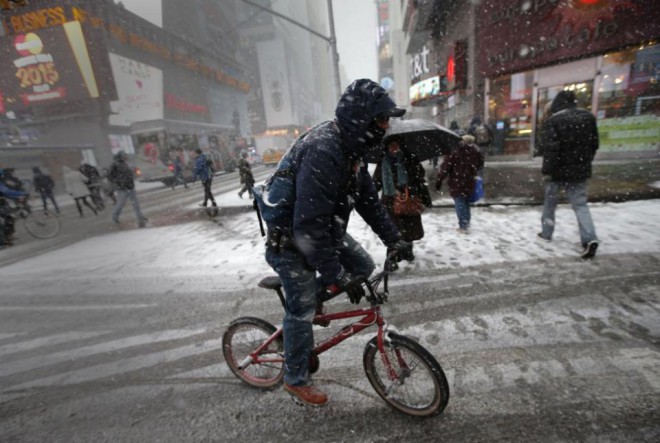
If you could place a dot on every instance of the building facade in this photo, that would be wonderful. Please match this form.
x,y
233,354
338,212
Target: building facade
x,y
519,54
84,80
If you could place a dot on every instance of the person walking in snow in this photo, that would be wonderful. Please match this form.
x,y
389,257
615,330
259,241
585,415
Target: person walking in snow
x,y
43,184
482,133
569,141
179,179
74,183
461,167
245,171
93,183
121,176
204,170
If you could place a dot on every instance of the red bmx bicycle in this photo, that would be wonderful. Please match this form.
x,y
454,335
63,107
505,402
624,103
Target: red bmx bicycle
x,y
403,373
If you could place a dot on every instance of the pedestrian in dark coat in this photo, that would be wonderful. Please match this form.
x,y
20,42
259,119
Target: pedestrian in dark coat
x,y
482,133
7,192
394,173
245,171
93,183
569,142
204,171
121,176
461,167
178,172
43,184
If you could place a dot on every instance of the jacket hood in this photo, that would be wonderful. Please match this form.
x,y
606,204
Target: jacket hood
x,y
563,100
358,106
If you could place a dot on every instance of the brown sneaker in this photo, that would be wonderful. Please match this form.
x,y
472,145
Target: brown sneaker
x,y
307,394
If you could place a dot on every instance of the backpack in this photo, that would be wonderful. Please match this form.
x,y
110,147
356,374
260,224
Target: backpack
x,y
210,166
275,199
481,135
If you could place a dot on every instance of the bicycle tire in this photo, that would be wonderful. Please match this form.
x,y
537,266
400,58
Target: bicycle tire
x,y
242,337
429,398
42,224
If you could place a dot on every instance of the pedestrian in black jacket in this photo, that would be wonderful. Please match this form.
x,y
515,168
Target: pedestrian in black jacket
x,y
569,142
245,171
43,184
121,176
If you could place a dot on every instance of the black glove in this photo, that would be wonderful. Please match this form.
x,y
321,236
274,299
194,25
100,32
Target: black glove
x,y
400,250
353,287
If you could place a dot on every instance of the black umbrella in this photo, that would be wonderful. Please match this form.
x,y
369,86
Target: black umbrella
x,y
421,138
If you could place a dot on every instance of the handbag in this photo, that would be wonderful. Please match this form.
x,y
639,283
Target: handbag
x,y
478,192
405,204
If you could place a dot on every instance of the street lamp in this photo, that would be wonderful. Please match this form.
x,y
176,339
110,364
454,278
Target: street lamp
x,y
332,40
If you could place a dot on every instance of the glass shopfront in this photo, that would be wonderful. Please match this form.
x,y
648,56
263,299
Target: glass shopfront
x,y
621,88
629,100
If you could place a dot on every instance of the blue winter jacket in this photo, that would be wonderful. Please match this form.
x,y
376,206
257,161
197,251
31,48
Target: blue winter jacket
x,y
332,179
7,192
201,169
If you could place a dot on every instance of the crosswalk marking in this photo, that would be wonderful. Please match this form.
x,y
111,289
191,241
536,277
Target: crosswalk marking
x,y
9,335
77,307
123,366
86,351
48,341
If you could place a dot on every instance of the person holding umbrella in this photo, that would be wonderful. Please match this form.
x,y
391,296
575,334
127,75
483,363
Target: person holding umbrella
x,y
401,176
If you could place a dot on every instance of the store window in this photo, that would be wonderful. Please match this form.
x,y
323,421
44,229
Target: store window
x,y
629,100
510,108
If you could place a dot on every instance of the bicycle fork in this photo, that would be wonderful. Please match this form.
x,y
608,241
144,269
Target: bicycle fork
x,y
397,377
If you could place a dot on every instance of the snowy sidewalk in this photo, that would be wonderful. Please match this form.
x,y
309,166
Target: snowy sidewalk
x,y
230,252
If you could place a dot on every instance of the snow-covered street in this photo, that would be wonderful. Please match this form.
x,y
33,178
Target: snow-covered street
x,y
229,253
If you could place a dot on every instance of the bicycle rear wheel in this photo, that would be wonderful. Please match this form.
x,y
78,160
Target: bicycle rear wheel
x,y
244,336
416,384
43,224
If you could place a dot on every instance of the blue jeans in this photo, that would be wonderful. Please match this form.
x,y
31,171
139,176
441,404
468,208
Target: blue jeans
x,y
300,289
577,197
462,207
122,196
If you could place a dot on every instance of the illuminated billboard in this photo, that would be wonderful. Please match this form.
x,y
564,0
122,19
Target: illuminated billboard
x,y
45,66
139,91
425,89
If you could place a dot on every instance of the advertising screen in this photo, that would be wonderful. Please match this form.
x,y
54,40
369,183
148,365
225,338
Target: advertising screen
x,y
45,66
139,91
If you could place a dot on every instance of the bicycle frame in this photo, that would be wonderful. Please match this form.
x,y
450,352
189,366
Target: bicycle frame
x,y
369,316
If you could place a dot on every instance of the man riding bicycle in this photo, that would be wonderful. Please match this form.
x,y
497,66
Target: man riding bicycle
x,y
326,169
6,217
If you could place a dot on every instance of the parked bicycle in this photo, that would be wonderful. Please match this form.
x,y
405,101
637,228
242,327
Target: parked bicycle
x,y
401,371
39,223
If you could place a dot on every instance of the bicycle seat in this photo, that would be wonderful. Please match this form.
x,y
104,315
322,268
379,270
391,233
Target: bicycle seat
x,y
272,282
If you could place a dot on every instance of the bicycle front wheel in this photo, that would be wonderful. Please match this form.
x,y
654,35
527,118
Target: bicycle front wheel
x,y
43,224
243,337
406,376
